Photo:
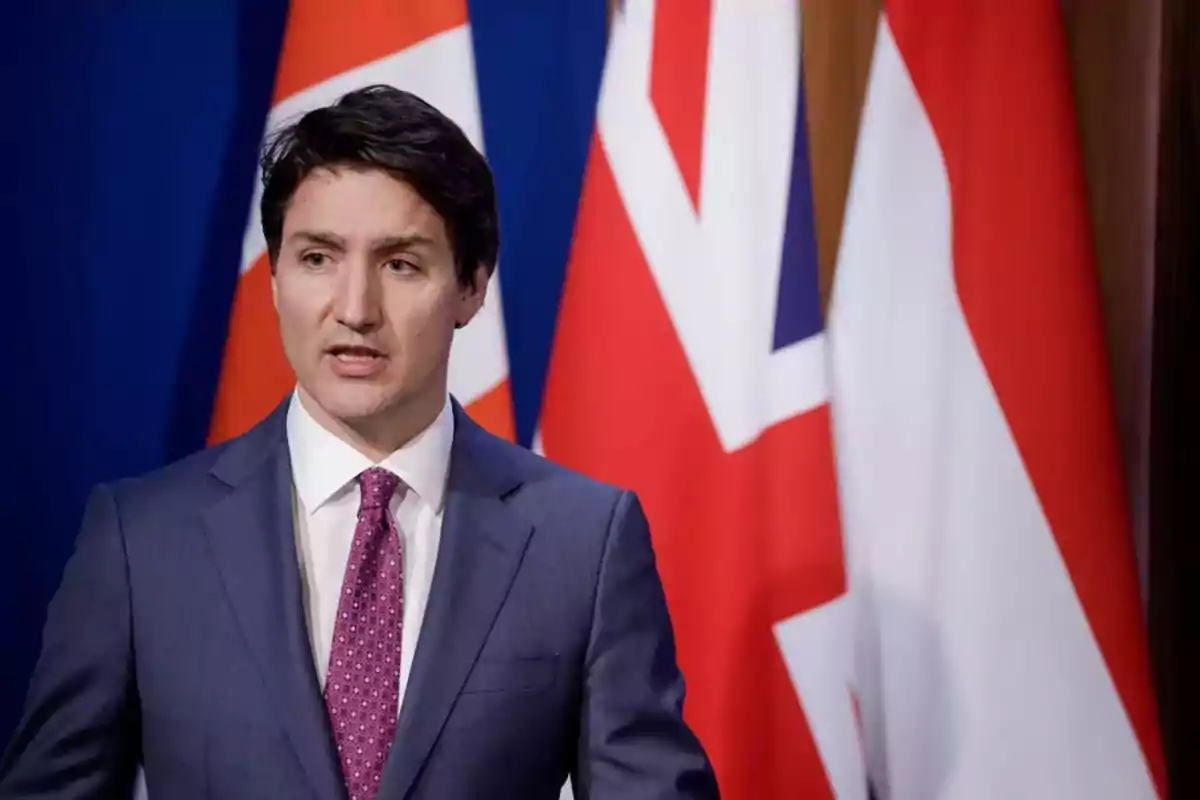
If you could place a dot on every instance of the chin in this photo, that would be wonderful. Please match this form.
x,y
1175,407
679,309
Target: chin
x,y
355,402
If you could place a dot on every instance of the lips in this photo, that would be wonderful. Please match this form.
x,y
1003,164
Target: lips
x,y
356,360
354,351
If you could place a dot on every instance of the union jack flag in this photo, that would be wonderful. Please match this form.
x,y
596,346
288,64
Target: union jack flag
x,y
689,365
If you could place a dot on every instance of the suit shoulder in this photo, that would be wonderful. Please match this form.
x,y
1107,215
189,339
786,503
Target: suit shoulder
x,y
545,470
536,470
192,478
551,492
180,475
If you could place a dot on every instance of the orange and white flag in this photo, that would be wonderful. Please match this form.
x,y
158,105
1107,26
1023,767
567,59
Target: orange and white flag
x,y
329,49
1001,649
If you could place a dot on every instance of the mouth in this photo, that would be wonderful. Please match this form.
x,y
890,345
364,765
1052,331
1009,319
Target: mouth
x,y
354,351
356,360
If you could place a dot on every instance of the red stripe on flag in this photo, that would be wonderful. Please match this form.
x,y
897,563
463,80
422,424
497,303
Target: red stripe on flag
x,y
255,374
493,410
742,539
995,81
324,38
678,78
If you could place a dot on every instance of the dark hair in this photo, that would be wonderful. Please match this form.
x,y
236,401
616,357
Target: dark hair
x,y
381,127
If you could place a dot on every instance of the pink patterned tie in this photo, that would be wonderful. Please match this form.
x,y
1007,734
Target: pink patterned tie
x,y
362,688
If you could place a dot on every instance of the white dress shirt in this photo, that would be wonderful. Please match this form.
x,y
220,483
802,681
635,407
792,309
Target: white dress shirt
x,y
324,469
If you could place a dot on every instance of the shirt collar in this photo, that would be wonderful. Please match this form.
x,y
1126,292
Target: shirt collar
x,y
323,464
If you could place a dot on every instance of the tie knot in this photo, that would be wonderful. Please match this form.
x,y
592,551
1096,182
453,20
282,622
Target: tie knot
x,y
378,486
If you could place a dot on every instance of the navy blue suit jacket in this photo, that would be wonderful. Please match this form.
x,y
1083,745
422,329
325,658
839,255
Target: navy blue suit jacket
x,y
177,640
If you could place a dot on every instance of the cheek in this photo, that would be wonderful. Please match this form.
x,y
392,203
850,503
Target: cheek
x,y
289,316
298,317
424,328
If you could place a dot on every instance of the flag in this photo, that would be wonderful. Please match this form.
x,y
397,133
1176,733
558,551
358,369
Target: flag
x,y
1001,649
330,48
688,365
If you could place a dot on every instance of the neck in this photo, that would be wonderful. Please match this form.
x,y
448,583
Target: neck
x,y
379,435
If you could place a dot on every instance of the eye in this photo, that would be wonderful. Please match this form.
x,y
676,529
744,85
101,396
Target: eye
x,y
401,267
315,259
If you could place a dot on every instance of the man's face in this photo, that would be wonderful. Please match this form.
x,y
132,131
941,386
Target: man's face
x,y
367,296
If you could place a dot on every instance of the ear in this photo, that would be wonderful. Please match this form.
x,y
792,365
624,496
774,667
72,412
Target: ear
x,y
471,297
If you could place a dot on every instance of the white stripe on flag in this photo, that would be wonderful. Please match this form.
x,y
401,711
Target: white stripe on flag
x,y
979,676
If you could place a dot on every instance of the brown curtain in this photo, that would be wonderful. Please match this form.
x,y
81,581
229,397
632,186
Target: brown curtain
x,y
1175,403
839,36
1114,48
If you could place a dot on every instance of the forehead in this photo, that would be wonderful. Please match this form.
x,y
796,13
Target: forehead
x,y
360,205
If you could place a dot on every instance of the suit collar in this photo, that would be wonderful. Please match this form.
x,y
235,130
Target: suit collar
x,y
244,456
251,538
253,544
483,544
479,462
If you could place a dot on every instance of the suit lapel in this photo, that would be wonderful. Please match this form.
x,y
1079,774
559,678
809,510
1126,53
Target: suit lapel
x,y
481,547
252,541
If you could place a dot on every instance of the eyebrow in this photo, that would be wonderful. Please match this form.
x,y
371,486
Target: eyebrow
x,y
407,242
388,244
323,238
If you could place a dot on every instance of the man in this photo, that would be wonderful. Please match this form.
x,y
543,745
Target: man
x,y
366,595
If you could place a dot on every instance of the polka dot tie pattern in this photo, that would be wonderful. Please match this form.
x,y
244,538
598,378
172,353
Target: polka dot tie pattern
x,y
362,688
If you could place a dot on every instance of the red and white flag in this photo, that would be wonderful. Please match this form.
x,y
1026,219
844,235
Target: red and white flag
x,y
330,48
1001,650
689,365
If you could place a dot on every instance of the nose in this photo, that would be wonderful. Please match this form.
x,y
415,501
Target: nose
x,y
357,304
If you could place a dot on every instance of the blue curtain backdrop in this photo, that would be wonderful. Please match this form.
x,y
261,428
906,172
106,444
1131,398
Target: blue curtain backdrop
x,y
129,138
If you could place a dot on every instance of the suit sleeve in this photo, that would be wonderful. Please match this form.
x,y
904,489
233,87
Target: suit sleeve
x,y
634,743
79,736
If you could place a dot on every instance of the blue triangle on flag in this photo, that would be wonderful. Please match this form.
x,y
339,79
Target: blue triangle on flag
x,y
798,309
